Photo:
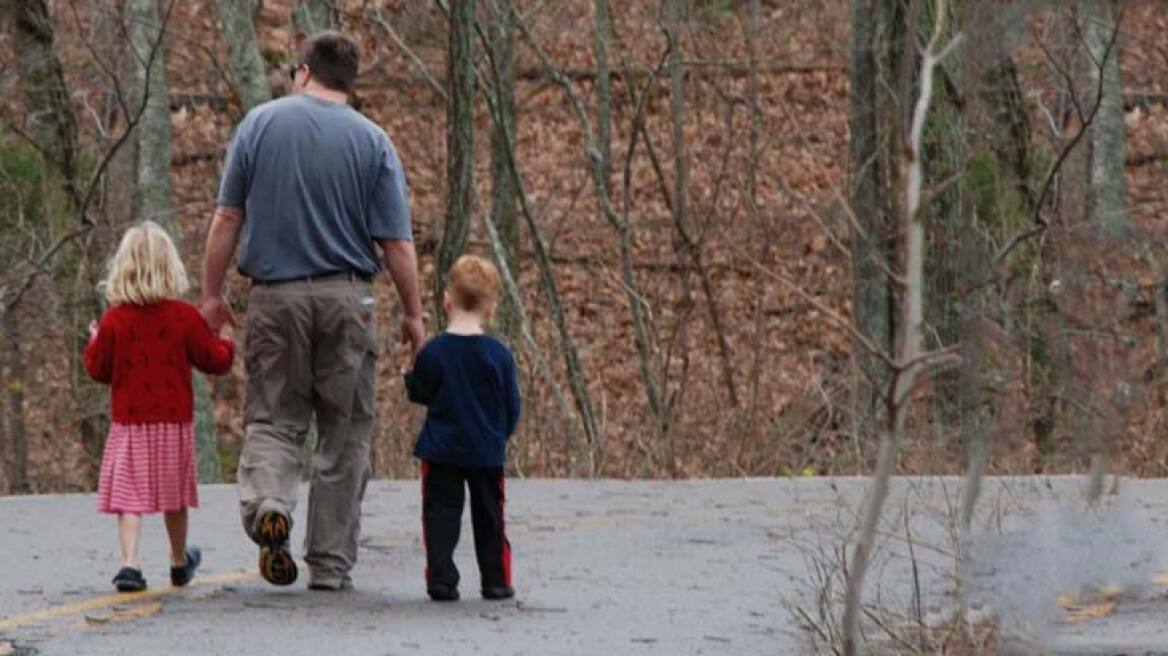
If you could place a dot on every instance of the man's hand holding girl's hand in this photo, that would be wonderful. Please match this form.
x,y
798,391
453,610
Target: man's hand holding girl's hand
x,y
92,329
217,312
227,331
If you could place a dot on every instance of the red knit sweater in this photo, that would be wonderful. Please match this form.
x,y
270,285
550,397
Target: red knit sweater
x,y
146,353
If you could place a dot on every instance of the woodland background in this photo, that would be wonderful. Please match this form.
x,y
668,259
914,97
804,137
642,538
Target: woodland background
x,y
703,236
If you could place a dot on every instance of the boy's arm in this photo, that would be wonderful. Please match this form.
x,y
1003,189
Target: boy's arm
x,y
422,380
511,385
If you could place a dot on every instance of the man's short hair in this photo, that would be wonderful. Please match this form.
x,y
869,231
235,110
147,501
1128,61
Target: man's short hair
x,y
332,59
474,283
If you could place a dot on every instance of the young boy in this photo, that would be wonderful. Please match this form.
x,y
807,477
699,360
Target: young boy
x,y
466,379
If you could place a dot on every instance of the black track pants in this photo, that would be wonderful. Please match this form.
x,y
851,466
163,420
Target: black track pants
x,y
443,495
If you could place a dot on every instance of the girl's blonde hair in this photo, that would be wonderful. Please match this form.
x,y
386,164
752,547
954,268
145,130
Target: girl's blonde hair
x,y
146,268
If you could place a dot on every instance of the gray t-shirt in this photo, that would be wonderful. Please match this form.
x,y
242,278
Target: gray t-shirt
x,y
318,183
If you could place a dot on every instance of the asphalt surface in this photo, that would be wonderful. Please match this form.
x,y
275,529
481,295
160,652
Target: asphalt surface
x,y
605,567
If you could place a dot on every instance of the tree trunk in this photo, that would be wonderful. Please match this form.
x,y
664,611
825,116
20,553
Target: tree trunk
x,y
947,227
762,236
14,383
1107,189
619,222
577,378
601,31
46,95
152,189
873,246
1109,218
601,164
5,422
53,125
501,32
910,348
460,92
312,16
692,240
511,289
247,64
996,190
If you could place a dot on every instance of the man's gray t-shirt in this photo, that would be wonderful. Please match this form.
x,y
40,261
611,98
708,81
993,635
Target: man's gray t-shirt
x,y
318,184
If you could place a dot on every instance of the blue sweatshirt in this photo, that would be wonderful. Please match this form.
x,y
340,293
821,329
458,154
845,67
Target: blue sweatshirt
x,y
468,383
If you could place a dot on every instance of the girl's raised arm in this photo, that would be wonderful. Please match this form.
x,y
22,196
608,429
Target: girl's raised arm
x,y
99,353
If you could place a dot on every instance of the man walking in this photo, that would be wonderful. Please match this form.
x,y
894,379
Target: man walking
x,y
310,191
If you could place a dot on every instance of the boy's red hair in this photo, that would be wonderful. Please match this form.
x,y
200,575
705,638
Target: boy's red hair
x,y
474,283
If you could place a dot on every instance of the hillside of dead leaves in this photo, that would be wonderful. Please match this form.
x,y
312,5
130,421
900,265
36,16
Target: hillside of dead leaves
x,y
791,365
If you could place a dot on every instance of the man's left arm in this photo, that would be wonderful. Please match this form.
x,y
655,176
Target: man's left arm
x,y
401,260
390,226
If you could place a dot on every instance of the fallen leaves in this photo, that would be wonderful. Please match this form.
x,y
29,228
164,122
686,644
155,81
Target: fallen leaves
x,y
1076,614
1090,604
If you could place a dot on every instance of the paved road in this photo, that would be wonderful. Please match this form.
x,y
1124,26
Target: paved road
x,y
604,567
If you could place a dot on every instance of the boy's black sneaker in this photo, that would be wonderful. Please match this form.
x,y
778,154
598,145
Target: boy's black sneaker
x,y
276,563
498,593
129,579
442,592
180,576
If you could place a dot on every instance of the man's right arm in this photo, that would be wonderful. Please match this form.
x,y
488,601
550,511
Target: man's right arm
x,y
401,260
220,249
226,224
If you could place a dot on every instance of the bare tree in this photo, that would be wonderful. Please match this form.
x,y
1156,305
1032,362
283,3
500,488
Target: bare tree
x,y
312,16
15,381
247,64
910,360
601,29
501,34
873,244
53,123
152,189
690,236
618,220
52,130
460,93
577,378
1108,190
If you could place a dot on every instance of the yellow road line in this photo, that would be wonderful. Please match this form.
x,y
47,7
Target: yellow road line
x,y
65,610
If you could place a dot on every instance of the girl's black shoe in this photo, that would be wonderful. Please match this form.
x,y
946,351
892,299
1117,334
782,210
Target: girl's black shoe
x,y
129,579
180,576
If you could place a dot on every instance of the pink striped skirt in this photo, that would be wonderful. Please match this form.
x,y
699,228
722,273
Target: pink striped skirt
x,y
148,468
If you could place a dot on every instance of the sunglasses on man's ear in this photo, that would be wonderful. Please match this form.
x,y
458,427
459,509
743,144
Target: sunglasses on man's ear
x,y
292,72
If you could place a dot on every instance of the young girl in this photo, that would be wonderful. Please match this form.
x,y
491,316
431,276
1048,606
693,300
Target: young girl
x,y
144,348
